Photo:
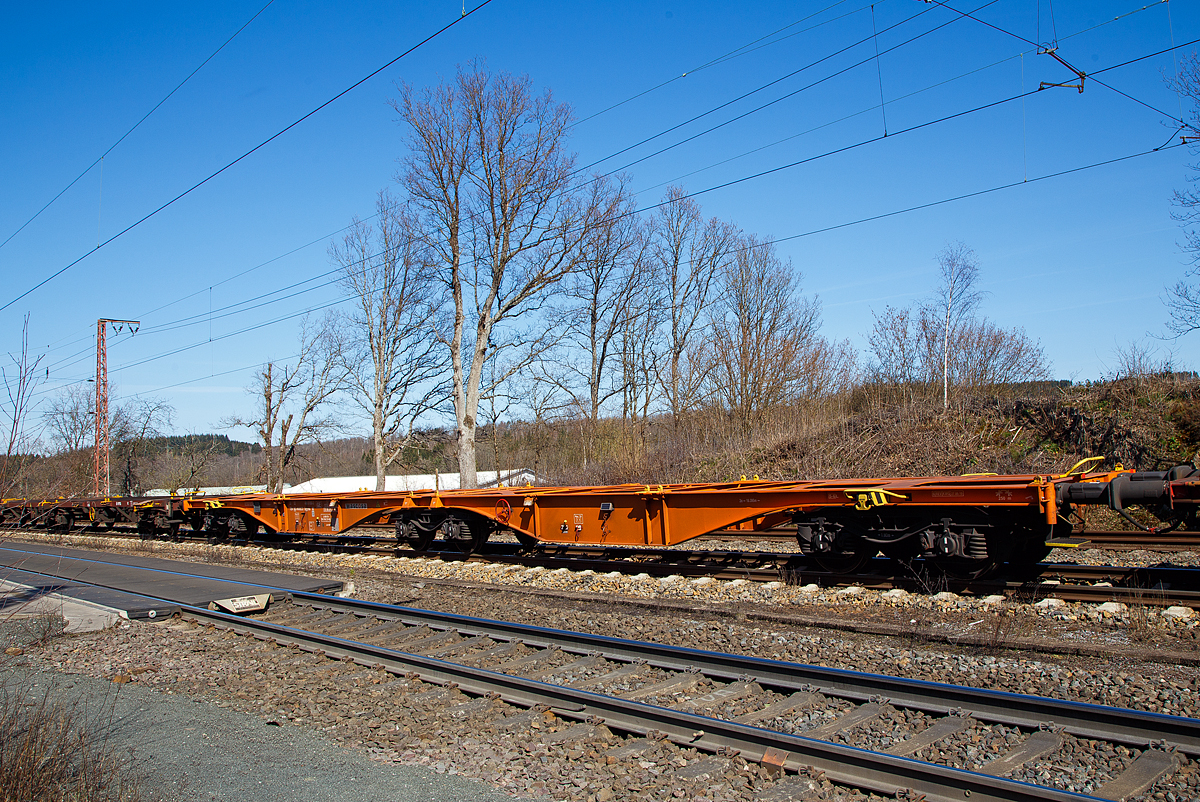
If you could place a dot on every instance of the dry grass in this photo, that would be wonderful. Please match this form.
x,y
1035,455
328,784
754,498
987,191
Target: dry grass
x,y
875,430
53,750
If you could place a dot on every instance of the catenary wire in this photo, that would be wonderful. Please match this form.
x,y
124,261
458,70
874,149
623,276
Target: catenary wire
x,y
776,169
727,122
780,99
257,147
893,101
113,146
819,156
1081,74
752,92
729,55
771,240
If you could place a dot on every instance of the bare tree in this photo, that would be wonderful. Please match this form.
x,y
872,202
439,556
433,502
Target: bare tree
x,y
986,355
388,344
690,254
290,399
597,300
134,426
1139,361
20,379
1183,299
69,420
955,299
489,172
763,333
896,343
642,353
910,349
186,467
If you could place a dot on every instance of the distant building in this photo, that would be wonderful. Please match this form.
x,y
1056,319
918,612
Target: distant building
x,y
419,481
234,490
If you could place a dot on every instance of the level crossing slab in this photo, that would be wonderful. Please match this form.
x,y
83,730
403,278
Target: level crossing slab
x,y
181,582
227,573
85,607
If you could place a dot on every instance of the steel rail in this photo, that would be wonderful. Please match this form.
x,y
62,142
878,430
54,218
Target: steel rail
x,y
847,765
1145,586
1122,725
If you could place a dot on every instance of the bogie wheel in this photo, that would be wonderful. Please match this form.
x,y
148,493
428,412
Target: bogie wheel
x,y
840,563
964,567
465,536
415,534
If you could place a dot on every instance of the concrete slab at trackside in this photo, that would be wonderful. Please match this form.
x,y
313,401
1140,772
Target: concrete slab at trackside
x,y
85,608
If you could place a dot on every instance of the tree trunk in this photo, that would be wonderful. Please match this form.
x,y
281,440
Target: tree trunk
x,y
466,456
380,447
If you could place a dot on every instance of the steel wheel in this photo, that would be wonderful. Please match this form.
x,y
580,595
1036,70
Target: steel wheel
x,y
414,535
463,537
964,567
841,563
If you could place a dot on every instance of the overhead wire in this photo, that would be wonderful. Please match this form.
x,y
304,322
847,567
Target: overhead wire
x,y
709,189
895,100
767,240
1042,49
729,55
752,92
100,159
732,54
788,96
774,170
797,163
720,59
256,148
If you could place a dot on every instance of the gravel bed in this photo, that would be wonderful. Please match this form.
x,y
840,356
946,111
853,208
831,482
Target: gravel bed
x,y
972,747
825,710
890,728
185,751
1131,559
398,720
1118,681
525,595
1080,765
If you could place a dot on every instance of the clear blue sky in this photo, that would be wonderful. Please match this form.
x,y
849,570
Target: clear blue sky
x,y
1079,261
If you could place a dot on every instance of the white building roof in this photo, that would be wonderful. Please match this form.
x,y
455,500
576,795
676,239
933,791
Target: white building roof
x,y
420,481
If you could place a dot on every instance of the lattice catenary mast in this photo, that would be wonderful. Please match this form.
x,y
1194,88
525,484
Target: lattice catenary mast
x,y
101,456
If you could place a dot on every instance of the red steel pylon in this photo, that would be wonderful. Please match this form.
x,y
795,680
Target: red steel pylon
x,y
101,456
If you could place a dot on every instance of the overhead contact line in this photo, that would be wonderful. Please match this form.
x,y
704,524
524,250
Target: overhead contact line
x,y
256,148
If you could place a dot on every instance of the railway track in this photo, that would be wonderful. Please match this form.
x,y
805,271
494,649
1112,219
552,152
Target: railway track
x,y
886,734
863,730
1149,586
